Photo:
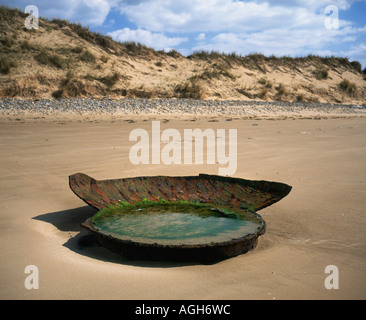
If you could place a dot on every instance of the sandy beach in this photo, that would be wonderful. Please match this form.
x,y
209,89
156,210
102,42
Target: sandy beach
x,y
319,223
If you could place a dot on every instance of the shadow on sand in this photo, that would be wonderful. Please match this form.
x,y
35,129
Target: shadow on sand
x,y
85,242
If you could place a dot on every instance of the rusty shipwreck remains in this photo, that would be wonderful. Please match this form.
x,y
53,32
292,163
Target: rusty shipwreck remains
x,y
246,195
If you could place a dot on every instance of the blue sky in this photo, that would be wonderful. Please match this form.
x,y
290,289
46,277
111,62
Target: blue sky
x,y
279,27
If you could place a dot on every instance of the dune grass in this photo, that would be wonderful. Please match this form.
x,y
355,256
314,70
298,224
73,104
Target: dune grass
x,y
6,64
111,79
349,87
87,56
189,90
53,60
321,74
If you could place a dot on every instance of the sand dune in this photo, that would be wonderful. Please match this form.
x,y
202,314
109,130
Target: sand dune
x,y
62,59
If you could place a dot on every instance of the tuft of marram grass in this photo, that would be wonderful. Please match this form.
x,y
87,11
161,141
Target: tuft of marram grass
x,y
52,60
77,49
281,89
321,74
87,56
6,65
349,87
111,79
189,90
266,83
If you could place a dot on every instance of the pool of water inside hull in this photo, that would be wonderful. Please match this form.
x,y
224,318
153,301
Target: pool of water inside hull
x,y
176,227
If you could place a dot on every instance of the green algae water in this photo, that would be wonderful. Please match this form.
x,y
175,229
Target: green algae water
x,y
175,223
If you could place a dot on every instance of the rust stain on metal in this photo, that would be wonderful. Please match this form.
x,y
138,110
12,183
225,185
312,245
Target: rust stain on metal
x,y
205,188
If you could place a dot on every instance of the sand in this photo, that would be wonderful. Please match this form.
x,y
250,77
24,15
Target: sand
x,y
319,223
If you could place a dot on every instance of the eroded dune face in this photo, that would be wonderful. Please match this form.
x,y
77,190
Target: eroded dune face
x,y
65,60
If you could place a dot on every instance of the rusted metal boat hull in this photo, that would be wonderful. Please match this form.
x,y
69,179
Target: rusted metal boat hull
x,y
232,192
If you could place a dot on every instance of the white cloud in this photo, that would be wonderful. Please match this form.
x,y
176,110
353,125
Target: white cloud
x,y
155,40
294,42
94,12
225,15
280,27
87,12
203,16
201,37
311,4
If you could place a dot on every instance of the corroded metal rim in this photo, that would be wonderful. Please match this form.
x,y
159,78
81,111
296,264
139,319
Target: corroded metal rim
x,y
204,253
234,192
